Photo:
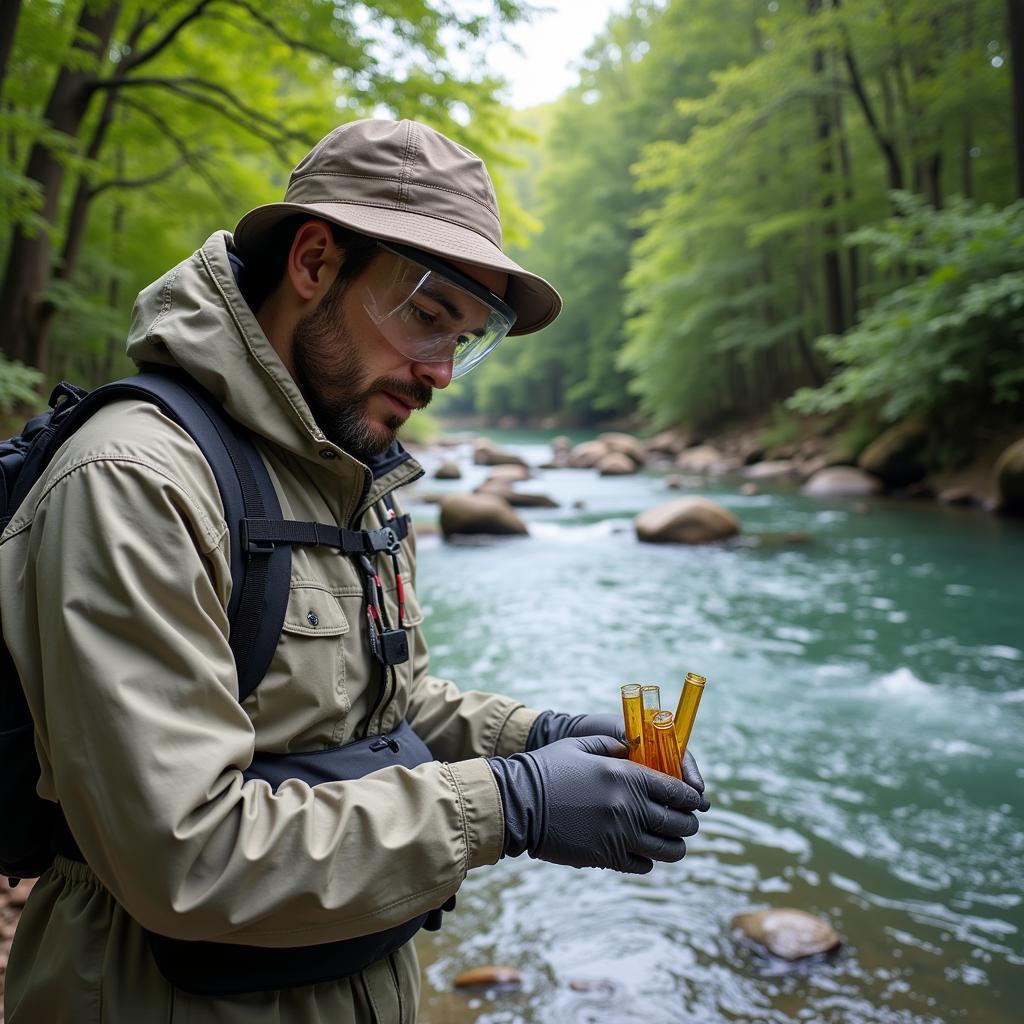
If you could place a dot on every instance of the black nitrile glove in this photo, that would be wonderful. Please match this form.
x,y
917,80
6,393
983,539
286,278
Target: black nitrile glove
x,y
551,726
580,802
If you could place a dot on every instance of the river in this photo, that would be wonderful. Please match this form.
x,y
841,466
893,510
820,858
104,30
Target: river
x,y
861,736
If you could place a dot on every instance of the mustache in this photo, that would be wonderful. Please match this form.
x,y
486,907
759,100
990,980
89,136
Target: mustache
x,y
413,394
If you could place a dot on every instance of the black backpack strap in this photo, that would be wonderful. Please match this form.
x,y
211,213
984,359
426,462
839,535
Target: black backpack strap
x,y
260,575
259,533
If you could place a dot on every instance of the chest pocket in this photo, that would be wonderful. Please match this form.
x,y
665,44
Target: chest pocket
x,y
305,694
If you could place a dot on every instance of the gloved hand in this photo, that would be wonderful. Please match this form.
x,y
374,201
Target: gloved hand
x,y
580,802
551,726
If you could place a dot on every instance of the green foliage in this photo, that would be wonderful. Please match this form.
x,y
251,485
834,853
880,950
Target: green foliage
x,y
953,337
784,429
18,385
701,190
210,124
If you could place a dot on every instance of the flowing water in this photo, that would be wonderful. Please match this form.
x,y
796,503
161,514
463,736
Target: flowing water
x,y
860,735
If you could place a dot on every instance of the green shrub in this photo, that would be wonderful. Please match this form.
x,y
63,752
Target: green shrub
x,y
950,344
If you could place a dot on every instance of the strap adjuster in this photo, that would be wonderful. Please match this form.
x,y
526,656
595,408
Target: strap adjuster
x,y
384,539
252,546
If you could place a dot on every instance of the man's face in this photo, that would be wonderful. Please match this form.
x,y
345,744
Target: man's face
x,y
360,388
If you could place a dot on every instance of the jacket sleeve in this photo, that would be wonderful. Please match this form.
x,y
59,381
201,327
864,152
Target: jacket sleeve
x,y
454,724
123,647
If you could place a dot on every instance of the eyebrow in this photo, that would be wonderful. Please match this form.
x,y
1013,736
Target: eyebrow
x,y
435,293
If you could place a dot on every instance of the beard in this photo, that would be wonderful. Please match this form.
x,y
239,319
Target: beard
x,y
331,374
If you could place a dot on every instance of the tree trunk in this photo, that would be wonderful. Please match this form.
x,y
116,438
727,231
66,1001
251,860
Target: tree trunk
x,y
9,11
28,261
835,320
894,171
1015,23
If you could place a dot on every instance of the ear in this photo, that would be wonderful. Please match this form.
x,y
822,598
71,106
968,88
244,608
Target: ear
x,y
313,261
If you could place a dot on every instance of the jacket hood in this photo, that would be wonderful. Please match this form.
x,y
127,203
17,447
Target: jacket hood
x,y
194,317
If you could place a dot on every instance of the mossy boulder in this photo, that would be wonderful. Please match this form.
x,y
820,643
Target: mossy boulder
x,y
897,457
1008,480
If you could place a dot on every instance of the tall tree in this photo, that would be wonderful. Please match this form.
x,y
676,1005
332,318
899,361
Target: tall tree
x,y
129,55
1015,26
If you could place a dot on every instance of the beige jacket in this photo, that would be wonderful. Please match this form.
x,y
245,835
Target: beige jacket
x,y
115,578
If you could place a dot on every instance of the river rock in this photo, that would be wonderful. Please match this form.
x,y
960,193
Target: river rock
x,y
668,442
958,496
788,933
685,521
448,470
627,444
510,472
616,464
699,459
479,513
489,976
841,481
517,499
561,453
588,454
487,453
774,469
897,457
1008,478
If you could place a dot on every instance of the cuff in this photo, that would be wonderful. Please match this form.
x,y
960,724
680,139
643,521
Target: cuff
x,y
515,731
483,818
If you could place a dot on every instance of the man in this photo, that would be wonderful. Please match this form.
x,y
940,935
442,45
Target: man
x,y
192,890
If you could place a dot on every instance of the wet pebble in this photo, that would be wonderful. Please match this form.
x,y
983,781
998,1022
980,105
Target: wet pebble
x,y
489,976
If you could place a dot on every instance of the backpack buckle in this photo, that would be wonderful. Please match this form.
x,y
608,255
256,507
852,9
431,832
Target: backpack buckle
x,y
384,539
252,545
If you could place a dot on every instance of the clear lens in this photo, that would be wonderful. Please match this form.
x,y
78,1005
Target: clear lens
x,y
428,317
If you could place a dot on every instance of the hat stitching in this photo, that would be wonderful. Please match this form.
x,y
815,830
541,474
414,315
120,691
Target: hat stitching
x,y
384,177
407,157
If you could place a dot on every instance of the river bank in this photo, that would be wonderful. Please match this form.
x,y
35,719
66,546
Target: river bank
x,y
900,462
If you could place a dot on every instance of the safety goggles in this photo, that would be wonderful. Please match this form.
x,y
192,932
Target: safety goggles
x,y
431,312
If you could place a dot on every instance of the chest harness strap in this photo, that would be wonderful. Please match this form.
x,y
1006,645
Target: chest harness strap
x,y
390,646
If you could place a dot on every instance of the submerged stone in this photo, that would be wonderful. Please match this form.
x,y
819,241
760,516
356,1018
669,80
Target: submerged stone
x,y
787,933
489,976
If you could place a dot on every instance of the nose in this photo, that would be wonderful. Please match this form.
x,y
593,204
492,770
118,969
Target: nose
x,y
435,374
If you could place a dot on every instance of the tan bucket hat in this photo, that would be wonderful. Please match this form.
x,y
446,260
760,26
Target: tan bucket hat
x,y
401,181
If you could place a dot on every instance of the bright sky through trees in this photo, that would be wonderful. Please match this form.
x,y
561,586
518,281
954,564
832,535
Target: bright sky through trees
x,y
552,45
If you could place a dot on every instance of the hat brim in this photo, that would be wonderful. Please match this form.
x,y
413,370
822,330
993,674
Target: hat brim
x,y
535,302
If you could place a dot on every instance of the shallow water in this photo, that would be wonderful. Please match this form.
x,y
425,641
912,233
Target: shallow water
x,y
860,735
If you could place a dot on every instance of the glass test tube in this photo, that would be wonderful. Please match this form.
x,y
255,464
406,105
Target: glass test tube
x,y
633,717
686,711
669,758
650,697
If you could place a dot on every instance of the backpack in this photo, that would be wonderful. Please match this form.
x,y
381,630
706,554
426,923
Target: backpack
x,y
260,545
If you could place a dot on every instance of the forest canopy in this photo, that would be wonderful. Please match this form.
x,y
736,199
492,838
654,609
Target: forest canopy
x,y
748,205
